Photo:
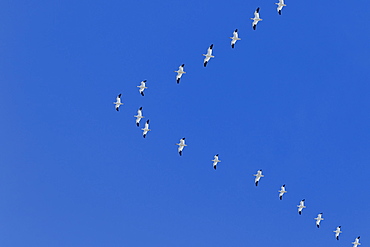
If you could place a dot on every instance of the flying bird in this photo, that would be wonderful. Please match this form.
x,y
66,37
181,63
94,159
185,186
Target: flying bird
x,y
301,206
181,145
146,128
280,5
142,87
258,177
118,102
282,191
318,220
179,73
208,55
234,38
139,116
256,18
357,242
337,232
215,161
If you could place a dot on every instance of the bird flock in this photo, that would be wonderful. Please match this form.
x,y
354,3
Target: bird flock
x,y
181,145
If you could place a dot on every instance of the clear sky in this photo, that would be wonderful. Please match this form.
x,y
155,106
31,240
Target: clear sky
x,y
291,99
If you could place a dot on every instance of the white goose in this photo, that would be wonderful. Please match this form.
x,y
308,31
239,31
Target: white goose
x,y
139,116
146,128
301,206
318,220
258,177
118,102
142,87
256,18
357,242
181,145
282,191
208,55
215,161
179,73
234,38
337,232
280,5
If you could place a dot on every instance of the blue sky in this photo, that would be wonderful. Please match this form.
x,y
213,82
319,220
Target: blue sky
x,y
291,99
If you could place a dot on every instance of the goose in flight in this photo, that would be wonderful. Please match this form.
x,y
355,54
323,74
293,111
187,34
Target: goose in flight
x,y
142,87
234,38
280,5
258,177
118,102
208,55
181,145
179,73
318,220
146,128
357,242
256,18
282,191
139,116
337,232
215,161
301,206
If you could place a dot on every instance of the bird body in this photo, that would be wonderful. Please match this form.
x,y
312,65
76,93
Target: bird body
x,y
280,5
234,38
318,220
118,102
181,145
146,128
258,177
256,18
215,161
179,73
208,56
282,191
337,232
142,87
139,116
301,206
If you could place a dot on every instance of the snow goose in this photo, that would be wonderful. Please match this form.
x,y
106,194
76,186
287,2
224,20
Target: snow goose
x,y
208,55
256,18
234,38
118,102
215,161
301,206
282,191
357,242
318,220
280,5
258,177
146,128
337,232
181,145
139,116
142,87
179,73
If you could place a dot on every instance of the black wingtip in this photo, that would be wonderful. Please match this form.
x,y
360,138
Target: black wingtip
x,y
300,212
178,81
183,65
214,167
142,93
144,135
281,198
144,81
257,183
236,30
147,121
337,238
254,27
117,109
137,124
141,108
180,153
205,64
211,46
279,12
318,226
119,95
232,46
258,9
183,138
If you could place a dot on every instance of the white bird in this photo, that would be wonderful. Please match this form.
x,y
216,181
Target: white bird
x,y
337,232
142,87
357,242
146,128
181,145
215,161
208,55
318,220
256,18
280,5
234,38
118,102
301,206
282,191
139,116
258,176
179,73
